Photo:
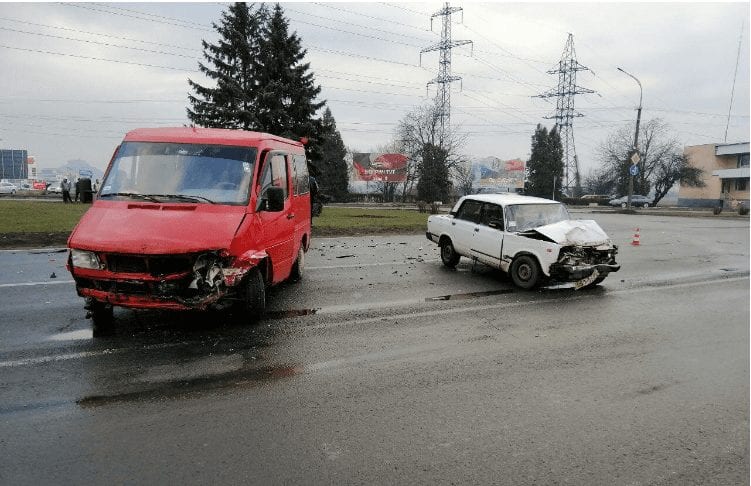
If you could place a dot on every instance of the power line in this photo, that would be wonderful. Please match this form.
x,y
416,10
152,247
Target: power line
x,y
86,7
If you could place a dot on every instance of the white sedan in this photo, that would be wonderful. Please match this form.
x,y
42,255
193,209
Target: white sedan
x,y
8,188
530,238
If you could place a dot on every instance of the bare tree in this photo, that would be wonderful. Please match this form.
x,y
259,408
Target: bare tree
x,y
419,135
464,177
658,152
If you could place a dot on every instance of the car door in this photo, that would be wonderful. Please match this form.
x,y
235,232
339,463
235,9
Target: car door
x,y
487,242
464,224
278,227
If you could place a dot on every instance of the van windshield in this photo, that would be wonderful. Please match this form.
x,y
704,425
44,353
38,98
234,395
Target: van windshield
x,y
523,217
181,172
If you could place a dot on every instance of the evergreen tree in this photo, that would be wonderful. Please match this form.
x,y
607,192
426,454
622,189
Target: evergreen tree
x,y
545,166
332,179
232,63
286,88
434,182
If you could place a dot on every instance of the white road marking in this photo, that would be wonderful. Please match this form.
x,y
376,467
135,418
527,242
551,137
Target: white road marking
x,y
379,264
32,284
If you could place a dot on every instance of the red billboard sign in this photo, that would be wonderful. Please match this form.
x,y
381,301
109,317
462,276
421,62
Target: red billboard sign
x,y
379,167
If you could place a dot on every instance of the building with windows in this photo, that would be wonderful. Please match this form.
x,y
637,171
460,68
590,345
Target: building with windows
x,y
13,164
726,175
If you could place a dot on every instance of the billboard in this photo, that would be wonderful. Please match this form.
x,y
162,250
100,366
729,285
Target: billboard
x,y
495,173
379,167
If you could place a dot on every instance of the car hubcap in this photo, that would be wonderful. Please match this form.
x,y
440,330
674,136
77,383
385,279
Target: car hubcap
x,y
524,272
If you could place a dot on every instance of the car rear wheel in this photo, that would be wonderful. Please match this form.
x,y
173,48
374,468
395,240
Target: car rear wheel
x,y
449,256
525,272
646,205
623,205
255,295
299,267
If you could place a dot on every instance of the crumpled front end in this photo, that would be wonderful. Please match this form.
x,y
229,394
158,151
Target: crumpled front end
x,y
177,282
576,263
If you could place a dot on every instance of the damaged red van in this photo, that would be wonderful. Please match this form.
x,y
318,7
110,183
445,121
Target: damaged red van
x,y
193,218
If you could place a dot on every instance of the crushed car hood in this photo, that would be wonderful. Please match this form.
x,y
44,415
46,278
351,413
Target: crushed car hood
x,y
156,228
585,232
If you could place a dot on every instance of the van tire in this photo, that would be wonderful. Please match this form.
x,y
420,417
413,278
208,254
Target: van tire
x,y
255,294
299,267
525,272
102,319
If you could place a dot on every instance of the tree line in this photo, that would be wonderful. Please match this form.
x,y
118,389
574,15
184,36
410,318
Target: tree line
x,y
261,82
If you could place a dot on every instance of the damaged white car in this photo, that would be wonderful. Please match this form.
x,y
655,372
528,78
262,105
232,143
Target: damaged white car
x,y
532,239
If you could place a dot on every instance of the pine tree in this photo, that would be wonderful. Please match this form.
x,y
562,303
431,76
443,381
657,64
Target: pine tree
x,y
287,92
545,164
332,179
232,63
434,182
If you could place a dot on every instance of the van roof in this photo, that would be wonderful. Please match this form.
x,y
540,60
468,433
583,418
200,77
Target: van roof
x,y
220,136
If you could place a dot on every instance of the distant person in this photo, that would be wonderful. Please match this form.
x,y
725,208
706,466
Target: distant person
x,y
96,186
65,187
78,188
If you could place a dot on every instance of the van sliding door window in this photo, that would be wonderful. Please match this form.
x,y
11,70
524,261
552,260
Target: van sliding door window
x,y
300,175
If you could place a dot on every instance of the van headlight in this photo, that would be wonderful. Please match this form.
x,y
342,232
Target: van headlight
x,y
85,259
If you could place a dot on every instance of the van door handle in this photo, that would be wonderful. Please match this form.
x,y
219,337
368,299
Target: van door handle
x,y
477,229
290,215
453,224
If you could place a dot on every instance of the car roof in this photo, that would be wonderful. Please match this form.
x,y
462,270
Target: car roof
x,y
509,198
220,136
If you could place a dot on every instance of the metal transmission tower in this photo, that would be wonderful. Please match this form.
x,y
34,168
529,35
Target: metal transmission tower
x,y
565,112
444,78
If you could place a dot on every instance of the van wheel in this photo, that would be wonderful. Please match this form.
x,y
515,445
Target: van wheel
x,y
102,318
299,267
525,272
449,256
255,295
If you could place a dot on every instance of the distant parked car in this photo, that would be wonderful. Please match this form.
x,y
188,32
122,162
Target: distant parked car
x,y
55,188
636,200
8,188
595,198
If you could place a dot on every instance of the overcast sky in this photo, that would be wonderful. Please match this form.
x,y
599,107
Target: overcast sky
x,y
77,77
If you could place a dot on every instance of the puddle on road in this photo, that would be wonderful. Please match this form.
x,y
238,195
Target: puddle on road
x,y
285,314
470,295
72,335
194,387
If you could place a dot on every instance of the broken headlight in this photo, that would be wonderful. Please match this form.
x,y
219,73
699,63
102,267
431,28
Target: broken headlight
x,y
85,259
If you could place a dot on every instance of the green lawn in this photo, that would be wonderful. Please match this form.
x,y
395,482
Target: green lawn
x,y
39,216
344,221
54,216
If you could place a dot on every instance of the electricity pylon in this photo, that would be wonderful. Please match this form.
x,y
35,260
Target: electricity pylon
x,y
565,113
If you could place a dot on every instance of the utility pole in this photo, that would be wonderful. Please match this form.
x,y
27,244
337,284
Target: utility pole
x,y
565,113
635,156
444,78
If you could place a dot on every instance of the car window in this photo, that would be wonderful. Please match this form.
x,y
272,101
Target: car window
x,y
492,212
470,211
300,177
274,174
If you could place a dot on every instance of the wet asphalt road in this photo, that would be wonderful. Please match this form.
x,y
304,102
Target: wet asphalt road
x,y
384,367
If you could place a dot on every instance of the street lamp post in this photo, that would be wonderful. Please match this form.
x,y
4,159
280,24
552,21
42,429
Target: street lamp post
x,y
636,136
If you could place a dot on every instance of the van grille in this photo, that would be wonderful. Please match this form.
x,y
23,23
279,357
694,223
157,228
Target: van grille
x,y
156,265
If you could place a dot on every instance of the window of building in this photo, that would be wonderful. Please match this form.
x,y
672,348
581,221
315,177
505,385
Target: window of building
x,y
742,160
741,184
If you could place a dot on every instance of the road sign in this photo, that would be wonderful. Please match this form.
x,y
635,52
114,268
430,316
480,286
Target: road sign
x,y
634,170
635,158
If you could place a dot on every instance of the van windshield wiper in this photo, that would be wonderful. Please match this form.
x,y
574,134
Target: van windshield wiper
x,y
182,197
133,195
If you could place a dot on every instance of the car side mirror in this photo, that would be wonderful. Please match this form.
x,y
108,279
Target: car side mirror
x,y
274,199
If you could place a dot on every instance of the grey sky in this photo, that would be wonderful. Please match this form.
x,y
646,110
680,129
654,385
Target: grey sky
x,y
63,98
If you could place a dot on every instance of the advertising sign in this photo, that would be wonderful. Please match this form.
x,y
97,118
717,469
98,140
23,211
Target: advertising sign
x,y
496,173
379,167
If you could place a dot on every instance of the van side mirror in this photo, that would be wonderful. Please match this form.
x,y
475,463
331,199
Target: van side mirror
x,y
275,199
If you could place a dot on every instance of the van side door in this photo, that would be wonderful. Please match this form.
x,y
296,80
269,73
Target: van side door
x,y
278,228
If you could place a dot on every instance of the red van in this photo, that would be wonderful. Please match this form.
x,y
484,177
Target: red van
x,y
193,218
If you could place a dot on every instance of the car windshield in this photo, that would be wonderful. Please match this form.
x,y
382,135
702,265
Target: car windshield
x,y
181,172
523,217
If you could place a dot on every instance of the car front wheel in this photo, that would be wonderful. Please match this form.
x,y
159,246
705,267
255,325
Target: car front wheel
x,y
525,272
646,205
623,205
449,256
255,295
